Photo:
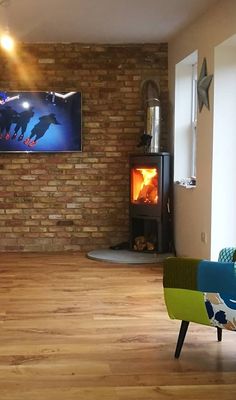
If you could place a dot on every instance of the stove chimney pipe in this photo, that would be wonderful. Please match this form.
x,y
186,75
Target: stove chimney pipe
x,y
151,95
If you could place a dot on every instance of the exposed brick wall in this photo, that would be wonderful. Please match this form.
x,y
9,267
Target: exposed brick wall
x,y
78,201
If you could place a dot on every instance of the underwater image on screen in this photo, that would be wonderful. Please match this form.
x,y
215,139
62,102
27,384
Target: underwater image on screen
x,y
40,121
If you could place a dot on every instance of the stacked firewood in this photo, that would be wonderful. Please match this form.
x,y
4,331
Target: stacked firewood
x,y
141,244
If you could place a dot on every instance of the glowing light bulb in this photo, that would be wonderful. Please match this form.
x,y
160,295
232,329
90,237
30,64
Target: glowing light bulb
x,y
25,104
7,42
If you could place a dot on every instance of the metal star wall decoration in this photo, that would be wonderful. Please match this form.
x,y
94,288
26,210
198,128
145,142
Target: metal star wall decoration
x,y
203,85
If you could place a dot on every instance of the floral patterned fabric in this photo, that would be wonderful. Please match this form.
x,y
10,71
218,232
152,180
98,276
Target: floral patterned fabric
x,y
221,310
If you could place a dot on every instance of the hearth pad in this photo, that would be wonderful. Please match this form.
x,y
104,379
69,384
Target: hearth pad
x,y
127,256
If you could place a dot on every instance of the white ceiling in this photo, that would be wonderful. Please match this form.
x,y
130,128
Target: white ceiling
x,y
99,21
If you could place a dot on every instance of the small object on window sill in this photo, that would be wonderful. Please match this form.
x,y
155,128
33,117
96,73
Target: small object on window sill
x,y
188,183
193,181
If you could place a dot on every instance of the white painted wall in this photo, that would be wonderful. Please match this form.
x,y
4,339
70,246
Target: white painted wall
x,y
224,145
192,208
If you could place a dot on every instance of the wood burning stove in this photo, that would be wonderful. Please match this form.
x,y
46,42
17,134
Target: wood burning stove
x,y
150,222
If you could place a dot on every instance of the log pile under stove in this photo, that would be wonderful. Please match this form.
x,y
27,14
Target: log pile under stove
x,y
142,244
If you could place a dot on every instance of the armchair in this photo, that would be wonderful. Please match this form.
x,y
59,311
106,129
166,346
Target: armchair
x,y
201,291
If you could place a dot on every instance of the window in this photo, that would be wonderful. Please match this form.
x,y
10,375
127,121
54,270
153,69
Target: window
x,y
185,126
194,118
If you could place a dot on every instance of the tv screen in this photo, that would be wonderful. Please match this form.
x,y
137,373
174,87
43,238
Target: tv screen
x,y
40,121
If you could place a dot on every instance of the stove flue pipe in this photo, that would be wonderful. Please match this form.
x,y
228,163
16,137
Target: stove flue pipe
x,y
151,102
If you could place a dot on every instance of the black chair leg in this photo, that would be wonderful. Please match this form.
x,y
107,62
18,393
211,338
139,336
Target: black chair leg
x,y
219,334
182,334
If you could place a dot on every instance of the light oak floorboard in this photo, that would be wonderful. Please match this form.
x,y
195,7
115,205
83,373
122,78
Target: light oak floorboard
x,y
73,328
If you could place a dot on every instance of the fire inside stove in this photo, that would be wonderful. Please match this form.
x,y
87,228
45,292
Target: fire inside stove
x,y
144,185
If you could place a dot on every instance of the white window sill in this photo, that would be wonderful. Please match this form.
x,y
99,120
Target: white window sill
x,y
184,184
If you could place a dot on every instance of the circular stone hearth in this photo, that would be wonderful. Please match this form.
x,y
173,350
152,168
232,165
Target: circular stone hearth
x,y
127,256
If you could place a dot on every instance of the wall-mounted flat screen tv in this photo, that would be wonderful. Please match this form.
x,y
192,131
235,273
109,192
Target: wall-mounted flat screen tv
x,y
40,121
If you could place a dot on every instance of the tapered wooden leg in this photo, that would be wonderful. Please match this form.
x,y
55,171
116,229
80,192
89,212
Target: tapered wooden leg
x,y
182,334
219,334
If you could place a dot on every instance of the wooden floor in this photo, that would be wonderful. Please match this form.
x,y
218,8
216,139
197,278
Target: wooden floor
x,y
77,329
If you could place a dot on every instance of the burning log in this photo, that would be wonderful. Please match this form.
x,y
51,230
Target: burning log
x,y
148,194
145,185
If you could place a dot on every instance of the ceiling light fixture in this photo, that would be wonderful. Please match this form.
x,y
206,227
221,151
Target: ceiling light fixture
x,y
6,41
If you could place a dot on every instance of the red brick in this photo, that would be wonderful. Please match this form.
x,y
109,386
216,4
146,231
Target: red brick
x,y
88,188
